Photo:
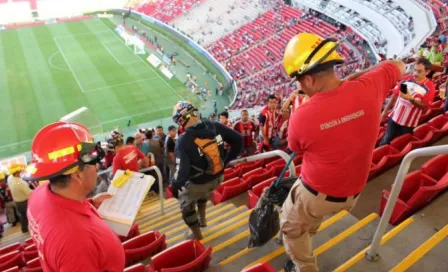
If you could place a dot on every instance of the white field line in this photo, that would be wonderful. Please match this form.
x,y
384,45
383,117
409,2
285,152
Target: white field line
x,y
69,66
122,41
121,84
79,34
138,114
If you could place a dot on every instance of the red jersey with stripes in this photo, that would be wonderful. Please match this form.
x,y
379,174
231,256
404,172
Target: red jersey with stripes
x,y
404,112
246,130
298,100
268,120
283,127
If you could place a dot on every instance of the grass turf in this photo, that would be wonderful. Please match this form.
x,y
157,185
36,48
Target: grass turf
x,y
49,71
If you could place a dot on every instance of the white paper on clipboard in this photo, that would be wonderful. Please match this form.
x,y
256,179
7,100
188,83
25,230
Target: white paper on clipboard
x,y
123,207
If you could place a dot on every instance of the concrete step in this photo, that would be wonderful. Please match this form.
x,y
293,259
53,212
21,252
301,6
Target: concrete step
x,y
434,261
332,233
426,223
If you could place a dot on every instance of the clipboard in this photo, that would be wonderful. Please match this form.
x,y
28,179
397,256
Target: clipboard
x,y
119,212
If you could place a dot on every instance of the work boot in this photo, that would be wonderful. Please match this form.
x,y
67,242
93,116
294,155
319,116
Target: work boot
x,y
194,233
289,266
202,216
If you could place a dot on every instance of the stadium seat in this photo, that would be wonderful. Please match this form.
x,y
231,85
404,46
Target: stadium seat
x,y
425,116
440,127
10,248
228,190
402,144
255,193
12,269
423,136
34,269
381,134
436,108
265,267
135,268
256,176
28,242
436,168
169,192
143,246
29,255
34,263
133,232
246,167
11,259
230,173
384,157
186,256
418,190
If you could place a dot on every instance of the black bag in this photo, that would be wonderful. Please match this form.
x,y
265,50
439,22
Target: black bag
x,y
278,194
264,223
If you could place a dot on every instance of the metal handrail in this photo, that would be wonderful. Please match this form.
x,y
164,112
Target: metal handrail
x,y
268,155
372,253
159,175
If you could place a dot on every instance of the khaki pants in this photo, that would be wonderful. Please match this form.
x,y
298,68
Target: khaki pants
x,y
303,212
10,213
196,195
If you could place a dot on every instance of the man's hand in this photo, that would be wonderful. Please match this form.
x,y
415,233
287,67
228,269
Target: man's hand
x,y
99,198
406,96
294,94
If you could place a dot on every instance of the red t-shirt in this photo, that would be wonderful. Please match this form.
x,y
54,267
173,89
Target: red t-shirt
x,y
246,130
336,132
127,159
71,236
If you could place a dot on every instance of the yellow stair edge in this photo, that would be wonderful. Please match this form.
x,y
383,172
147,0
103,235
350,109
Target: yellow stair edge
x,y
178,215
360,255
214,220
323,226
329,244
419,252
154,210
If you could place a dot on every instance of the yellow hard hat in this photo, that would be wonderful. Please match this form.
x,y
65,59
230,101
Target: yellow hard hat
x,y
307,51
15,167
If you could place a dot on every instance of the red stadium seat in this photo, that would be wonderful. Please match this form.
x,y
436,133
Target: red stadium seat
x,y
384,157
11,259
35,263
402,144
423,136
143,246
425,116
249,166
135,268
34,269
298,170
10,248
255,193
30,255
256,176
381,134
230,173
186,256
12,269
28,242
265,267
436,168
228,190
277,165
133,232
418,190
437,108
440,127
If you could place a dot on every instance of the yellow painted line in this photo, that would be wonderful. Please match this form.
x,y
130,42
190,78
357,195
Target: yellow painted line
x,y
360,255
179,216
424,248
283,270
161,219
156,202
224,231
275,253
157,216
230,241
206,232
145,211
346,233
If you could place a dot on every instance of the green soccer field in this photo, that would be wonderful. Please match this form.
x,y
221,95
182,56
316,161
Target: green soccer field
x,y
49,71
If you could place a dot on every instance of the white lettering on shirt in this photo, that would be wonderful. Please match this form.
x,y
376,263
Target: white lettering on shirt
x,y
341,120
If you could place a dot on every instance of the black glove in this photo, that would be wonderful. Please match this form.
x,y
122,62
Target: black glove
x,y
175,190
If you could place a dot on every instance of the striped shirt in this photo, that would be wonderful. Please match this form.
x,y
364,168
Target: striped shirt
x,y
404,112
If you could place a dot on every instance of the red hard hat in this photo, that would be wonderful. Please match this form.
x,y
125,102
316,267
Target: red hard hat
x,y
60,147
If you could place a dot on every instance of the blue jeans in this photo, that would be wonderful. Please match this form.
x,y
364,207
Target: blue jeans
x,y
394,130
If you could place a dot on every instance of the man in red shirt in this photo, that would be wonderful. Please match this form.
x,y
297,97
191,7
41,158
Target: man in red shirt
x,y
247,129
335,131
65,227
283,124
127,157
409,106
268,124
295,99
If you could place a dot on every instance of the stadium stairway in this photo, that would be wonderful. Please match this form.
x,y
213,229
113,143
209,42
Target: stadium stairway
x,y
340,243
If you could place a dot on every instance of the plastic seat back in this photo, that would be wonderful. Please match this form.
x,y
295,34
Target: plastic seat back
x,y
34,263
228,190
133,232
423,135
10,248
402,143
255,193
11,259
143,247
12,269
186,256
436,167
256,176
